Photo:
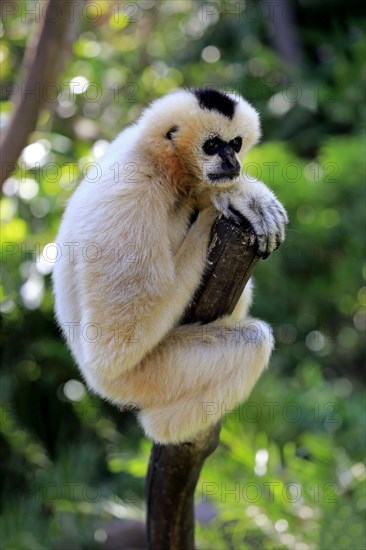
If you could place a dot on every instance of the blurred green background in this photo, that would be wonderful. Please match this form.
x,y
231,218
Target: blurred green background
x,y
289,472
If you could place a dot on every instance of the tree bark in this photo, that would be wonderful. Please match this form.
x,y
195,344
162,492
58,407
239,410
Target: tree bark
x,y
174,469
42,64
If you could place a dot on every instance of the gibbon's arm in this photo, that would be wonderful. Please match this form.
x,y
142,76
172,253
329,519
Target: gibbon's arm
x,y
136,305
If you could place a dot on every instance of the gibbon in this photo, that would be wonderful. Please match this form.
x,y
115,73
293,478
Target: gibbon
x,y
132,259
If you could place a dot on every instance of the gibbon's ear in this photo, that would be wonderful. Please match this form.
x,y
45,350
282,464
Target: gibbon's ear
x,y
170,133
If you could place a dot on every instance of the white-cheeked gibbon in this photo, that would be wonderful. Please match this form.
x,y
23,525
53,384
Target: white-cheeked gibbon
x,y
132,260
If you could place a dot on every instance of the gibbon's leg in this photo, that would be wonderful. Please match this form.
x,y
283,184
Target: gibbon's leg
x,y
195,375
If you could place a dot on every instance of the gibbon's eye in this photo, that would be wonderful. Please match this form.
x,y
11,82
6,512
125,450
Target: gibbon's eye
x,y
212,146
169,134
236,144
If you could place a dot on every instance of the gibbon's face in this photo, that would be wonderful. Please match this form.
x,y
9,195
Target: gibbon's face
x,y
220,162
206,130
213,157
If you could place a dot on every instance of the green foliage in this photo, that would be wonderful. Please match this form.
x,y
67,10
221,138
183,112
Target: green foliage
x,y
289,472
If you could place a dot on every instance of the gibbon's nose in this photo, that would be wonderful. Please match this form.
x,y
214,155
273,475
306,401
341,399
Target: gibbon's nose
x,y
229,158
229,163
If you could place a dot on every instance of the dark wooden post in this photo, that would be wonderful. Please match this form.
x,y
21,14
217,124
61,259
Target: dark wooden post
x,y
174,469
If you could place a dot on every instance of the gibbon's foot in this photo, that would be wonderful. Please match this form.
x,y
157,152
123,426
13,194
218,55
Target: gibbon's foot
x,y
262,210
245,349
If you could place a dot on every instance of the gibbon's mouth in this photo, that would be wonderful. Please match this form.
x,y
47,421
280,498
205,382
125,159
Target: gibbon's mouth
x,y
224,176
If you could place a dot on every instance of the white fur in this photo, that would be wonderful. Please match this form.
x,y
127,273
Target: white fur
x,y
130,265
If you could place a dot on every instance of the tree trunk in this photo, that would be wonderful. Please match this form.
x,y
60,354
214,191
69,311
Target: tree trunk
x,y
174,469
43,61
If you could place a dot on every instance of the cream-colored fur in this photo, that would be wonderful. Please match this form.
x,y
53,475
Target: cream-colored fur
x,y
130,264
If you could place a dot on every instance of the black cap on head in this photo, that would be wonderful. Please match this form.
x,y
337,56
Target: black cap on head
x,y
214,100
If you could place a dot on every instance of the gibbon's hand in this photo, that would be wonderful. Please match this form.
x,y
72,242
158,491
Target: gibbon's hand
x,y
263,211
